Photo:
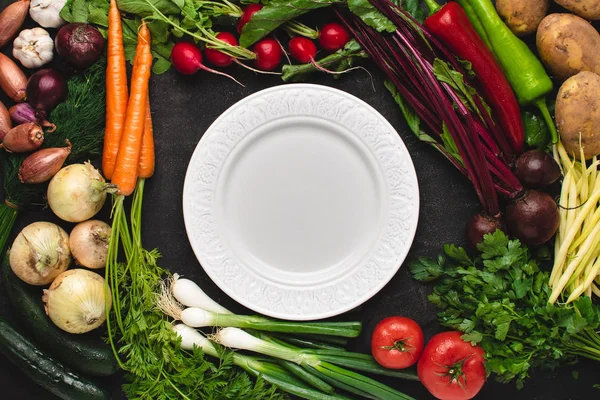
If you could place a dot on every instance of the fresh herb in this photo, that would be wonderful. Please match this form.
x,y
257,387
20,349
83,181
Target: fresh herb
x,y
338,61
499,299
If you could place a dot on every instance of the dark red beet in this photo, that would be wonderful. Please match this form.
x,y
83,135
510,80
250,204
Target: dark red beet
x,y
479,225
532,218
537,169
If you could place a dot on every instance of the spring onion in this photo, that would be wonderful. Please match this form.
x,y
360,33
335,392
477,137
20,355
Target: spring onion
x,y
189,294
342,378
198,318
270,372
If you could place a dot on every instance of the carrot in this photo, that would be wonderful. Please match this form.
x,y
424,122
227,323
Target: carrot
x,y
146,164
116,91
128,157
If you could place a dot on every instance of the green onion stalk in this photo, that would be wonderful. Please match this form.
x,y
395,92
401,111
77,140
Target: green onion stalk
x,y
314,363
79,119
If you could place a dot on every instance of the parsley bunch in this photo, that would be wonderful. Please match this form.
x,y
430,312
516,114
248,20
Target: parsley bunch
x,y
499,299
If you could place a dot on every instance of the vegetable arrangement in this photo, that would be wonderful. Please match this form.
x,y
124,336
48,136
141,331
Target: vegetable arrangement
x,y
460,80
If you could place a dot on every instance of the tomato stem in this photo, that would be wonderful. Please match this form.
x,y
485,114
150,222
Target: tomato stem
x,y
400,345
455,372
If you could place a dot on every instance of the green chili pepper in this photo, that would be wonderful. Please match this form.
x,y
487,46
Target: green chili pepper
x,y
523,69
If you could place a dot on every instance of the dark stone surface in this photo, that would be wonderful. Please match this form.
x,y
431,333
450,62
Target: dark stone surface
x,y
184,106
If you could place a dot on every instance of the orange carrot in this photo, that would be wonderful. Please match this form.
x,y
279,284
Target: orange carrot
x,y
116,91
146,165
128,157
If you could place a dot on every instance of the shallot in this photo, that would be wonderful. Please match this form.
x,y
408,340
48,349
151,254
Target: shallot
x,y
43,164
23,138
21,113
12,80
11,20
5,124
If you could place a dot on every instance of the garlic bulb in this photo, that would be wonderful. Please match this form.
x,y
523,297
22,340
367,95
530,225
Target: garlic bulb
x,y
47,12
76,301
33,47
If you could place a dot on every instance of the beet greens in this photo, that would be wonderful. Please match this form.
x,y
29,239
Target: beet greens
x,y
429,85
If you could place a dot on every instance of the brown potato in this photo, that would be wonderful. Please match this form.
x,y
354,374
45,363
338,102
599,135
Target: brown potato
x,y
588,9
578,113
568,44
522,16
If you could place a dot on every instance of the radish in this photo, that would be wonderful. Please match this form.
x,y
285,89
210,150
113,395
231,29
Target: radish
x,y
333,36
268,54
187,59
303,49
249,11
217,57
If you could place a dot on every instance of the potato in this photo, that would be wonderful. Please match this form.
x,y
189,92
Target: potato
x,y
522,16
578,113
588,9
568,44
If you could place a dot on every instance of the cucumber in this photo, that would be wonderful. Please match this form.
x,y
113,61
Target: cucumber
x,y
44,370
84,353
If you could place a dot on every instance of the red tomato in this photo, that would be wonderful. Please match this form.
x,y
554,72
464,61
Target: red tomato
x,y
397,342
450,368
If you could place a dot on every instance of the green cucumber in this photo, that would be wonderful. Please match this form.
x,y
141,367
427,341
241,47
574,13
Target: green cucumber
x,y
44,370
85,353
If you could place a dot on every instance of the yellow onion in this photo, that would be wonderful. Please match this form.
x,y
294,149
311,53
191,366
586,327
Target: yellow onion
x,y
76,301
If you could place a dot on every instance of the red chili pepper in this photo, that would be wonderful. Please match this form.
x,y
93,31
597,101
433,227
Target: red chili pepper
x,y
451,25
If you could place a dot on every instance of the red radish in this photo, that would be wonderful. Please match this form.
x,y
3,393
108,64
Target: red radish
x,y
268,54
303,49
333,36
249,11
187,59
217,57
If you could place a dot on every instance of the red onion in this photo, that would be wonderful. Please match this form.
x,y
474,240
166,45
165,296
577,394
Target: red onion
x,y
79,44
45,90
23,112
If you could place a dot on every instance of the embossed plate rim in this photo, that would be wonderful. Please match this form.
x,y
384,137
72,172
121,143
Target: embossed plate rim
x,y
274,299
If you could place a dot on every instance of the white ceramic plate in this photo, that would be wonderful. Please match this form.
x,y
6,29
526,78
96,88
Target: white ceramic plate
x,y
301,202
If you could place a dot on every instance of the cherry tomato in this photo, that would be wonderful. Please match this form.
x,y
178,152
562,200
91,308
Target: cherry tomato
x,y
397,342
450,368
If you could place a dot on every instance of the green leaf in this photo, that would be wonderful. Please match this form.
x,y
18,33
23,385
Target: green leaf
x,y
458,254
275,14
144,8
467,325
473,337
502,330
75,11
426,269
369,14
450,144
445,73
414,8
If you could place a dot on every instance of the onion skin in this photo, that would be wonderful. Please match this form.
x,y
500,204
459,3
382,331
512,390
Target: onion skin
x,y
533,218
12,80
80,45
45,90
42,165
11,20
479,225
23,138
25,261
536,169
88,243
5,123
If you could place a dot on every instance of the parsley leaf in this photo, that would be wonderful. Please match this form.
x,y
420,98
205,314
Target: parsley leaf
x,y
499,299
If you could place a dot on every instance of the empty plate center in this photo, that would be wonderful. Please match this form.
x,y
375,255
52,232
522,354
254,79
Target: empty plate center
x,y
300,195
